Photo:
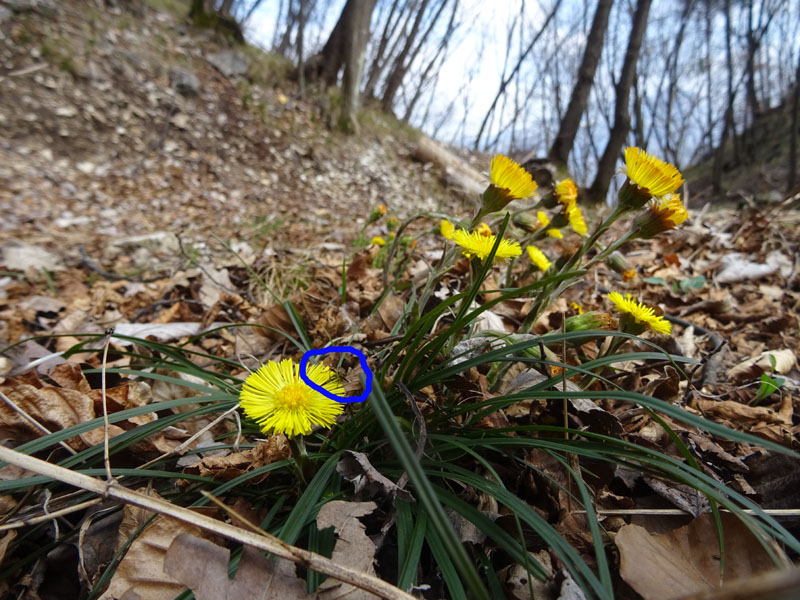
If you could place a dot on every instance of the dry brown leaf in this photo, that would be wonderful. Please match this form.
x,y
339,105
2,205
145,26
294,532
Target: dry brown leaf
x,y
390,310
687,560
52,407
739,414
202,566
273,321
353,547
236,464
70,377
785,360
141,570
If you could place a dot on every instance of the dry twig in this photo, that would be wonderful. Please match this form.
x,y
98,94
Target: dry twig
x,y
305,558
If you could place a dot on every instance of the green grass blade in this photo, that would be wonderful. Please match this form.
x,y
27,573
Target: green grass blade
x,y
426,495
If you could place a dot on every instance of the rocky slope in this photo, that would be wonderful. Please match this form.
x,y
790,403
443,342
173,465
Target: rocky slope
x,y
117,124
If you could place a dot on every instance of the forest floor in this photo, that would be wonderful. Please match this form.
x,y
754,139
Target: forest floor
x,y
149,172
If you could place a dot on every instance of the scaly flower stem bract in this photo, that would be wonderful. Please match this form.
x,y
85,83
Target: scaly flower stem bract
x,y
305,468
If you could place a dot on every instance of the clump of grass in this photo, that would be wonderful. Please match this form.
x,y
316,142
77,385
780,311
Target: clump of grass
x,y
447,456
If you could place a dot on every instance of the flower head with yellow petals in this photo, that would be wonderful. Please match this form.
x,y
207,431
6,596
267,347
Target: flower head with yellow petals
x,y
509,181
575,217
480,246
278,400
648,176
544,221
636,316
567,192
663,215
447,229
538,258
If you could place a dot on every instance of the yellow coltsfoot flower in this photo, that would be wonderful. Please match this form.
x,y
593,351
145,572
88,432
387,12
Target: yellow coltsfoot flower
x,y
447,229
480,246
636,316
663,215
566,192
648,176
278,400
538,258
378,241
509,181
544,221
575,218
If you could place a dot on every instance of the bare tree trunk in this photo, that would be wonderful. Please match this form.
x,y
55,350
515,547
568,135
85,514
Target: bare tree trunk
x,y
728,126
291,21
302,17
395,77
670,151
378,62
622,117
426,73
568,129
225,8
355,50
504,83
794,133
331,58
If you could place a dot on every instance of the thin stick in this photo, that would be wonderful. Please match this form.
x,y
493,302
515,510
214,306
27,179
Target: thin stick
x,y
47,516
111,489
184,445
106,457
774,512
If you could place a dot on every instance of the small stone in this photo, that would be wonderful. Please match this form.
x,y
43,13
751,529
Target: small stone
x,y
86,167
185,83
66,111
228,62
181,120
21,256
160,241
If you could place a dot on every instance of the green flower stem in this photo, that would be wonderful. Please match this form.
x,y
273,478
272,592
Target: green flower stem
x,y
305,468
544,299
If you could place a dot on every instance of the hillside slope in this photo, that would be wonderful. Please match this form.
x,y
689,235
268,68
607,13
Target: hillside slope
x,y
118,124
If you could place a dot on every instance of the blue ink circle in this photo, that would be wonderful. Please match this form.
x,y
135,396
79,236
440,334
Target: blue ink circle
x,y
341,399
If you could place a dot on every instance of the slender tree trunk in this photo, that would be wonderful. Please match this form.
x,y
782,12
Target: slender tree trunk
x,y
378,62
622,117
670,150
302,16
291,21
225,8
504,83
709,80
395,77
794,133
355,51
568,129
331,58
728,126
442,49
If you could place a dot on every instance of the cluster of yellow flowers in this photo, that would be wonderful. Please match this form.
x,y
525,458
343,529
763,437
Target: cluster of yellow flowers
x,y
509,181
652,180
278,400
